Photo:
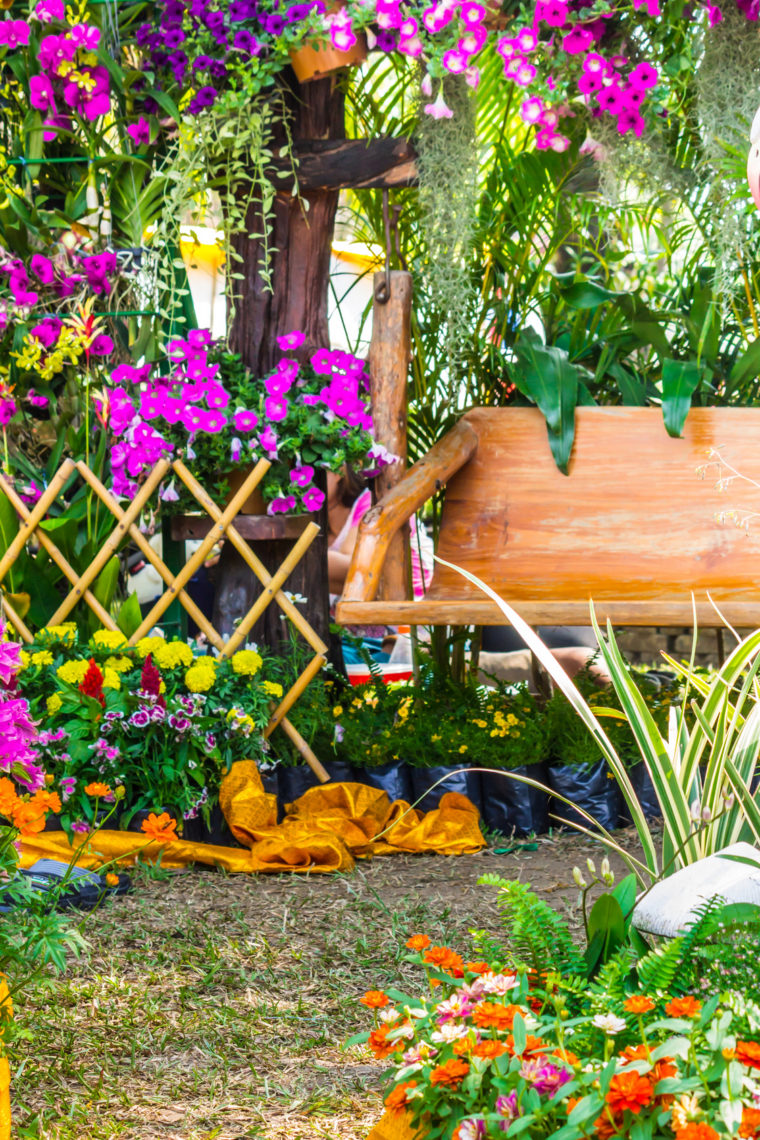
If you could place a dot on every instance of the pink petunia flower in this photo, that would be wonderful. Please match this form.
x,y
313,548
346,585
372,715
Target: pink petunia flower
x,y
276,408
302,476
288,341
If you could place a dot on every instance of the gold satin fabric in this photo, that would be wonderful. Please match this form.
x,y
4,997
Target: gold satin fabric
x,y
322,831
394,1126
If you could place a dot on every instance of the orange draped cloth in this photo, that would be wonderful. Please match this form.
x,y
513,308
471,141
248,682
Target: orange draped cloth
x,y
323,830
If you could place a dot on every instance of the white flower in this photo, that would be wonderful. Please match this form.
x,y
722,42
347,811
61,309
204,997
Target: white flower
x,y
498,983
419,1054
449,1032
415,1011
389,1015
609,1023
401,1031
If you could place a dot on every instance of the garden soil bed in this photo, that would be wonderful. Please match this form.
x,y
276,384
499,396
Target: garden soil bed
x,y
215,1007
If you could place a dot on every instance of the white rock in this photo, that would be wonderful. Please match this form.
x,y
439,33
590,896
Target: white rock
x,y
669,907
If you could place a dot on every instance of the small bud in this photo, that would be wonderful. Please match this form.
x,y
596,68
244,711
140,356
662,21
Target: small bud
x,y
706,815
696,810
730,801
119,792
49,778
605,868
578,878
591,867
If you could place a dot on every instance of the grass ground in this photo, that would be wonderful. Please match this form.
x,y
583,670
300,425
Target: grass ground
x,y
211,1006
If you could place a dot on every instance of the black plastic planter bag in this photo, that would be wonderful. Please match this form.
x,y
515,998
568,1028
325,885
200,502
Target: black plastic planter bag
x,y
294,781
644,788
460,780
589,788
340,771
512,807
393,779
216,831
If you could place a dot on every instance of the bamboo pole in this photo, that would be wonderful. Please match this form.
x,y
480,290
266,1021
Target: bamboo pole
x,y
244,550
201,554
17,622
269,592
316,766
113,542
31,519
61,562
155,560
294,692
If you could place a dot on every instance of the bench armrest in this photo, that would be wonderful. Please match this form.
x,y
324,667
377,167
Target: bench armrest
x,y
379,525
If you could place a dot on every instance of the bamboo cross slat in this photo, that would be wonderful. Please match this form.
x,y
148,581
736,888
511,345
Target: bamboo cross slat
x,y
31,520
295,691
18,624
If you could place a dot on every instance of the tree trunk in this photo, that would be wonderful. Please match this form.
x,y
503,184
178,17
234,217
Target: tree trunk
x,y
300,242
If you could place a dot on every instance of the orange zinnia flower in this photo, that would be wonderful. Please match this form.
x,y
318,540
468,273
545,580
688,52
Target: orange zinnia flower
x,y
477,967
450,1073
462,1046
494,1015
629,1091
397,1100
683,1007
532,1045
160,828
445,959
97,789
112,880
661,1070
606,1127
489,1049
28,819
418,942
635,1053
374,999
568,1056
638,1003
750,1125
700,1131
748,1053
8,797
378,1043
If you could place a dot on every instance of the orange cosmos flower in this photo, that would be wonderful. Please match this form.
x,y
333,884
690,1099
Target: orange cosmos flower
x,y
8,797
378,1043
750,1125
450,1073
748,1053
489,1049
532,1045
445,959
683,1007
477,967
46,801
638,1003
397,1100
112,880
28,819
629,1091
494,1015
694,1131
418,942
160,828
374,999
98,790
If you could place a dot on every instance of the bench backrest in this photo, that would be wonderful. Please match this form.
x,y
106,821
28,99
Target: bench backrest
x,y
633,526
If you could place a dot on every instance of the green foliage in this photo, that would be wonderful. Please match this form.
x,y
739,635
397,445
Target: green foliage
x,y
535,935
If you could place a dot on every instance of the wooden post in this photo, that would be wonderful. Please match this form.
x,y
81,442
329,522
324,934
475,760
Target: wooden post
x,y
389,356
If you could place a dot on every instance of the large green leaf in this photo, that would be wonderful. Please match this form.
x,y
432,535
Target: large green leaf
x,y
8,531
545,374
680,379
129,616
746,366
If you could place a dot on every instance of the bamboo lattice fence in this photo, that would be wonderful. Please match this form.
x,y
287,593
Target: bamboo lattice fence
x,y
126,520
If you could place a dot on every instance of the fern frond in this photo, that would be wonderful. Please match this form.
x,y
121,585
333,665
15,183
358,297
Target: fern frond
x,y
536,936
659,969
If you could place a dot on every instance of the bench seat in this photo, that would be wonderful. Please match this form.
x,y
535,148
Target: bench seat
x,y
635,526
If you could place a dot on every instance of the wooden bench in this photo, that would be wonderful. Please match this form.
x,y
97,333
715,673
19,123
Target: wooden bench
x,y
633,526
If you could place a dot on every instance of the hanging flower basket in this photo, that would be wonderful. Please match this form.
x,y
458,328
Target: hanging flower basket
x,y
311,63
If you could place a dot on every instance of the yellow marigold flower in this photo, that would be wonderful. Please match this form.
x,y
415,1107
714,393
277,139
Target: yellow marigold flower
x,y
463,748
481,723
246,663
42,657
25,658
148,645
338,710
72,672
66,632
272,688
173,654
111,679
119,664
108,639
53,704
200,678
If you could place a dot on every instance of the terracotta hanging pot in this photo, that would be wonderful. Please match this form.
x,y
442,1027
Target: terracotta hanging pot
x,y
313,61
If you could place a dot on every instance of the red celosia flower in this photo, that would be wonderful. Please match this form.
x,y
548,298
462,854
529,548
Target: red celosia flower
x,y
629,1091
92,683
150,678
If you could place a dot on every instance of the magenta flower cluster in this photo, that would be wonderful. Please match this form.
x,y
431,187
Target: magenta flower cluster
x,y
18,734
300,417
68,83
43,281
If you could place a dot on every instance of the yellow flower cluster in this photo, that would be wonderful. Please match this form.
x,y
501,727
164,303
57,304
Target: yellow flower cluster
x,y
34,356
108,639
111,679
119,664
72,672
201,675
41,657
66,633
173,654
272,688
53,704
508,725
246,663
148,645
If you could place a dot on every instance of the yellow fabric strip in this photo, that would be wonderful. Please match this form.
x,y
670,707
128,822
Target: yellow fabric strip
x,y
323,831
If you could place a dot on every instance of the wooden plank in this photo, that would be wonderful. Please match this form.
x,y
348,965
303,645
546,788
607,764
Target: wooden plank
x,y
389,356
254,528
338,164
380,524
